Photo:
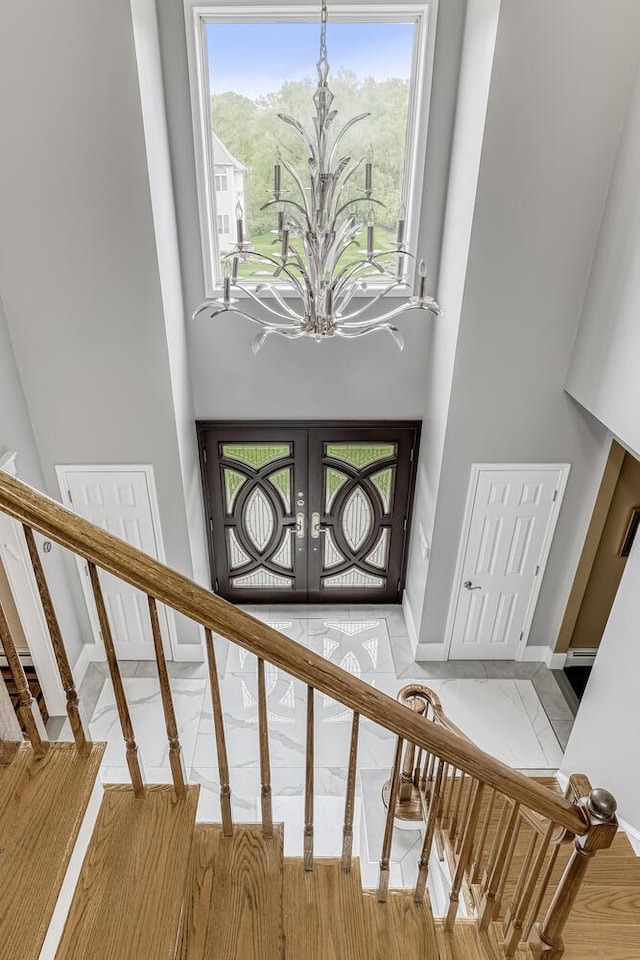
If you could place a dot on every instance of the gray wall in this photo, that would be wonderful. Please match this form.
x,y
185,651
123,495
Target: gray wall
x,y
16,434
78,264
607,723
559,92
603,374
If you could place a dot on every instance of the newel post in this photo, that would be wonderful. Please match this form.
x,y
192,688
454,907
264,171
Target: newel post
x,y
599,808
409,803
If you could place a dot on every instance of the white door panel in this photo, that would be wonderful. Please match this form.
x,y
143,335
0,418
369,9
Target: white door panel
x,y
503,550
120,501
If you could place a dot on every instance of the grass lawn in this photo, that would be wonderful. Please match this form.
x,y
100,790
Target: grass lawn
x,y
263,243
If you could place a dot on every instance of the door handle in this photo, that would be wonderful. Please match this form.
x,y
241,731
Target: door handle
x,y
316,528
299,527
469,586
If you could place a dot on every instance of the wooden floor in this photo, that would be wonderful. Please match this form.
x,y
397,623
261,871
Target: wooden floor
x,y
233,908
400,929
128,900
42,804
324,914
605,921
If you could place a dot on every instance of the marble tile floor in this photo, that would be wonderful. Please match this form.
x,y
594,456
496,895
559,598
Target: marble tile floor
x,y
502,708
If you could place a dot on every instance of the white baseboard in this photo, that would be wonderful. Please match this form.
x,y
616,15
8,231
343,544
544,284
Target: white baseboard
x,y
410,623
431,651
81,665
188,653
555,661
633,833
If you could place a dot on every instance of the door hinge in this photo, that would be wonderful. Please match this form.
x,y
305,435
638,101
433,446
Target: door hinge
x,y
537,570
411,455
521,636
404,524
399,585
204,454
217,586
69,495
211,524
555,496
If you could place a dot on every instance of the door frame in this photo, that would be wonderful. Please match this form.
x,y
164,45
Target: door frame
x,y
474,476
27,601
62,472
202,426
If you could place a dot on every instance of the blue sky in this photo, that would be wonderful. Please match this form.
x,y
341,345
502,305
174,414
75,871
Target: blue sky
x,y
255,58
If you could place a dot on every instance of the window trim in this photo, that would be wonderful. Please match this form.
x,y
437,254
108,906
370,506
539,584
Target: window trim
x,y
424,14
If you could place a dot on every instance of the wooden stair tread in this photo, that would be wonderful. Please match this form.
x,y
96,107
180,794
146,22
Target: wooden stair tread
x,y
400,929
595,941
42,805
233,908
323,911
465,942
128,899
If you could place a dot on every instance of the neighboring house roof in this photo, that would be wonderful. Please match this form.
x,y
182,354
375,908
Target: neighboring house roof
x,y
222,156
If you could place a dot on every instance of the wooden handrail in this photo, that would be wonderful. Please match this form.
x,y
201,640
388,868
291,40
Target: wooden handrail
x,y
107,551
413,691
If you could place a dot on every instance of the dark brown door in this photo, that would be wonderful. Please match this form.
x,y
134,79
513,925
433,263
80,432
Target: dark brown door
x,y
255,482
316,512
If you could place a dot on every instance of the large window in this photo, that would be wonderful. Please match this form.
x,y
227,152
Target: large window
x,y
251,63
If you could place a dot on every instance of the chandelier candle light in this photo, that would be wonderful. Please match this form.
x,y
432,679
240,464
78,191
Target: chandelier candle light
x,y
325,224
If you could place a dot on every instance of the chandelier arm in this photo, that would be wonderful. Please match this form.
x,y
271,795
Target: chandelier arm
x,y
277,296
382,327
281,268
298,181
286,118
358,287
340,136
335,184
354,169
357,313
281,316
340,251
305,292
291,203
267,324
203,306
348,272
351,203
396,312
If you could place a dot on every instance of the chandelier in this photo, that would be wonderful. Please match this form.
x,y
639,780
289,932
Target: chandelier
x,y
316,226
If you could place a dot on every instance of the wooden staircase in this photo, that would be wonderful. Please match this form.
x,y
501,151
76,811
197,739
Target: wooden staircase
x,y
156,884
535,873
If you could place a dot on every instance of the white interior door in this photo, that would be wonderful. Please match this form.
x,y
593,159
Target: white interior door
x,y
511,516
21,582
122,501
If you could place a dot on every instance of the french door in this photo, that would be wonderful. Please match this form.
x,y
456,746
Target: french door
x,y
313,512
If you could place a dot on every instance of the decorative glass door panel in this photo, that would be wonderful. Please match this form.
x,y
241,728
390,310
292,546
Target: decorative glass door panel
x,y
256,491
359,497
317,513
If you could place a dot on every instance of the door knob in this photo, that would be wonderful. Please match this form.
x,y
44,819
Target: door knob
x,y
299,527
469,585
316,527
